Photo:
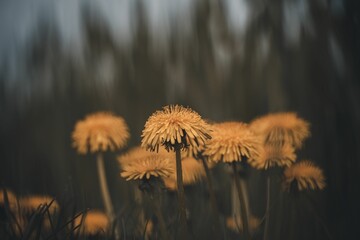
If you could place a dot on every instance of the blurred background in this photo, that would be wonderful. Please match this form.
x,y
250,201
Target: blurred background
x,y
227,60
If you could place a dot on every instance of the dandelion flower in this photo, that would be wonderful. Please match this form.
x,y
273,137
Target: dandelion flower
x,y
306,176
270,157
279,129
31,203
192,171
139,152
175,125
156,165
231,141
94,222
100,131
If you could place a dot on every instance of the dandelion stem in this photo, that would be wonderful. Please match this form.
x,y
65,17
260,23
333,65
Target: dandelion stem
x,y
105,192
181,195
267,211
160,218
211,190
243,212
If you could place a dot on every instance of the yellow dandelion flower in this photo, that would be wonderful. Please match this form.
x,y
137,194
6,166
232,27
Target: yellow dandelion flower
x,y
270,157
156,165
175,125
279,129
140,152
306,176
231,141
192,171
11,198
235,223
31,203
100,131
94,222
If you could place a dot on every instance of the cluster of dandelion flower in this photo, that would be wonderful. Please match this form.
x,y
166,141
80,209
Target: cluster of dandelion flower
x,y
174,125
100,131
232,141
305,175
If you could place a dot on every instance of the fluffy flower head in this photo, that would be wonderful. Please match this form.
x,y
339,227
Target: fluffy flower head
x,y
231,141
279,129
140,152
100,131
270,157
174,125
153,164
306,176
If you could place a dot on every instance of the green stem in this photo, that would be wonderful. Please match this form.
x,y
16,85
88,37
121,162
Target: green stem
x,y
267,211
243,212
105,192
180,190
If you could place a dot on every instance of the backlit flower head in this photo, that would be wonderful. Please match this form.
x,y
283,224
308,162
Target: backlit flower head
x,y
274,156
305,175
100,131
140,152
32,203
144,167
279,129
192,171
232,141
94,222
174,125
